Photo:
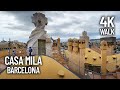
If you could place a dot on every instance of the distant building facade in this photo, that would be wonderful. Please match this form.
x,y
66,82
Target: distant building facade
x,y
110,40
5,45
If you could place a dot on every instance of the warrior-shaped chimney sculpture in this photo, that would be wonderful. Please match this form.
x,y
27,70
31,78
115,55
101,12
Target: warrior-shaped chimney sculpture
x,y
39,40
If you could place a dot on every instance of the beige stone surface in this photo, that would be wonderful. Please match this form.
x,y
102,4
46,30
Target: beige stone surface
x,y
49,70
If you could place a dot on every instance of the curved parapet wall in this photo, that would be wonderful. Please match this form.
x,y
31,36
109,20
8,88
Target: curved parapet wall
x,y
94,58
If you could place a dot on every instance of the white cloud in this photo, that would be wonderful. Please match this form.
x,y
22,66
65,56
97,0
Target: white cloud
x,y
63,24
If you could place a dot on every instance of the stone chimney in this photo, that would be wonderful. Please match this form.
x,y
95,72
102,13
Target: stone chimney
x,y
82,46
75,45
70,43
103,48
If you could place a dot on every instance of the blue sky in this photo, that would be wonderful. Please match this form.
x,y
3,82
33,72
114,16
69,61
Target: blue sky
x,y
18,25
